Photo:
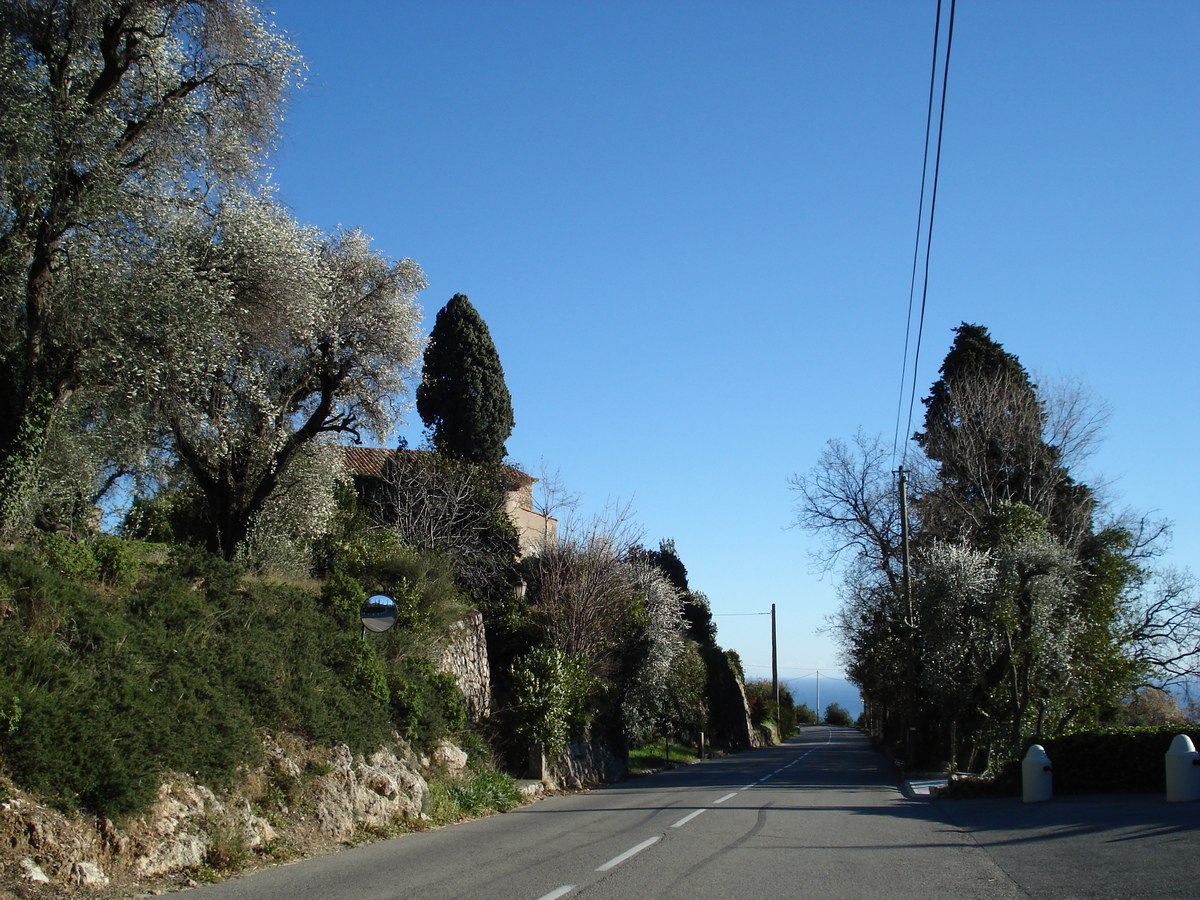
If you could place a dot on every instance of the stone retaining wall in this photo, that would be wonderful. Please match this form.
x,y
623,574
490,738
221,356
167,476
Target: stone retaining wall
x,y
465,657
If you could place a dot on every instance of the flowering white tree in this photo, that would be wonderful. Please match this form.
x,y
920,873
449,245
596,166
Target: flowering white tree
x,y
115,111
268,336
299,510
1000,633
955,598
661,643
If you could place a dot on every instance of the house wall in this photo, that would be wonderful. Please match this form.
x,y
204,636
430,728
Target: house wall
x,y
534,530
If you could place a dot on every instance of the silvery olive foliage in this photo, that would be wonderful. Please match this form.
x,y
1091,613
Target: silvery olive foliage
x,y
298,511
267,336
115,114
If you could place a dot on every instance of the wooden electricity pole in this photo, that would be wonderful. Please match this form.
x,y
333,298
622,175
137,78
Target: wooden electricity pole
x,y
910,624
774,661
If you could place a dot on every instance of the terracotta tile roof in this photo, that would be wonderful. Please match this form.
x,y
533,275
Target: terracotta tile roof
x,y
366,460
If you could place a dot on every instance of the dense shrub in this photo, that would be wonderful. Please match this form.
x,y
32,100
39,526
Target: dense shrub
x,y
549,699
170,516
376,560
67,557
764,710
1090,762
836,714
425,704
117,560
102,691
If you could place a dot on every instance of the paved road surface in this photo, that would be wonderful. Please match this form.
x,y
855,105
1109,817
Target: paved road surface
x,y
821,816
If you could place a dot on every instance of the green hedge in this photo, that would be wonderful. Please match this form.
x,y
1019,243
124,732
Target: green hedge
x,y
1118,760
1126,760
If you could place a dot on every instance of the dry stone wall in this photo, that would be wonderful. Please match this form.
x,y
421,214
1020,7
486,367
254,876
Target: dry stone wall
x,y
587,760
465,657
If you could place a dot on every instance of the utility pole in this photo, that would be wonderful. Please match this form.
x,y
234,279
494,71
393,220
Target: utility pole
x,y
907,574
910,623
774,660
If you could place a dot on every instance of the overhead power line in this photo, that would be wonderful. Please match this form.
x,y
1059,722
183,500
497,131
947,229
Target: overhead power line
x,y
924,232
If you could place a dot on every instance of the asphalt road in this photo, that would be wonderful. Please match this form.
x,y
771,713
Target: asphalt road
x,y
821,816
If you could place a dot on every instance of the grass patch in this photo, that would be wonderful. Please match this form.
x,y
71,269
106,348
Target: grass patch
x,y
477,792
654,755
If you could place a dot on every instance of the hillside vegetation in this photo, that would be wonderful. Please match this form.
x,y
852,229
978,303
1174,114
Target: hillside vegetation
x,y
117,672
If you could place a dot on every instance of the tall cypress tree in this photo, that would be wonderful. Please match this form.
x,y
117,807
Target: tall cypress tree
x,y
984,426
462,398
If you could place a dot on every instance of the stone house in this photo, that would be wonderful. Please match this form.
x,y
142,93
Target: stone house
x,y
534,529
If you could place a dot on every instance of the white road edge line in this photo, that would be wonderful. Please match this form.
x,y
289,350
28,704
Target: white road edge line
x,y
561,892
687,818
632,851
726,797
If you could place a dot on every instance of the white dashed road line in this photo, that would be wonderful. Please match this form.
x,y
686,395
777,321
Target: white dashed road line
x,y
631,852
687,818
558,893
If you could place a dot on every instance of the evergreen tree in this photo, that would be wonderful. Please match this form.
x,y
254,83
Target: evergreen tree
x,y
984,427
462,398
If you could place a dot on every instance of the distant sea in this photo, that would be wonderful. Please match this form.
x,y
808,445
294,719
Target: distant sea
x,y
833,690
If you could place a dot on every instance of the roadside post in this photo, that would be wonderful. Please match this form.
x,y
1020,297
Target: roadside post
x,y
1183,771
1037,782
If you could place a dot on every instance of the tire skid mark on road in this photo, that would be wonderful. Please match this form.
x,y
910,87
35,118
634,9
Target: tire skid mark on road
x,y
759,823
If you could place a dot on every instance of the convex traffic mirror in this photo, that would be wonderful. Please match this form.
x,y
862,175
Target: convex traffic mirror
x,y
379,613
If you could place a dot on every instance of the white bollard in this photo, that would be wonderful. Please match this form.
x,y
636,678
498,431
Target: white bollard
x,y
1183,771
1036,778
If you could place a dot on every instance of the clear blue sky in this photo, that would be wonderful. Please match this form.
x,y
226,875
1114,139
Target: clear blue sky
x,y
689,226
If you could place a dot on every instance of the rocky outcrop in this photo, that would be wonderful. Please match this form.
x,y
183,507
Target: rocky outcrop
x,y
374,793
186,823
45,846
303,797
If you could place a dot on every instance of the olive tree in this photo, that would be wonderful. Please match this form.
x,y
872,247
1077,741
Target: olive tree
x,y
271,336
115,111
